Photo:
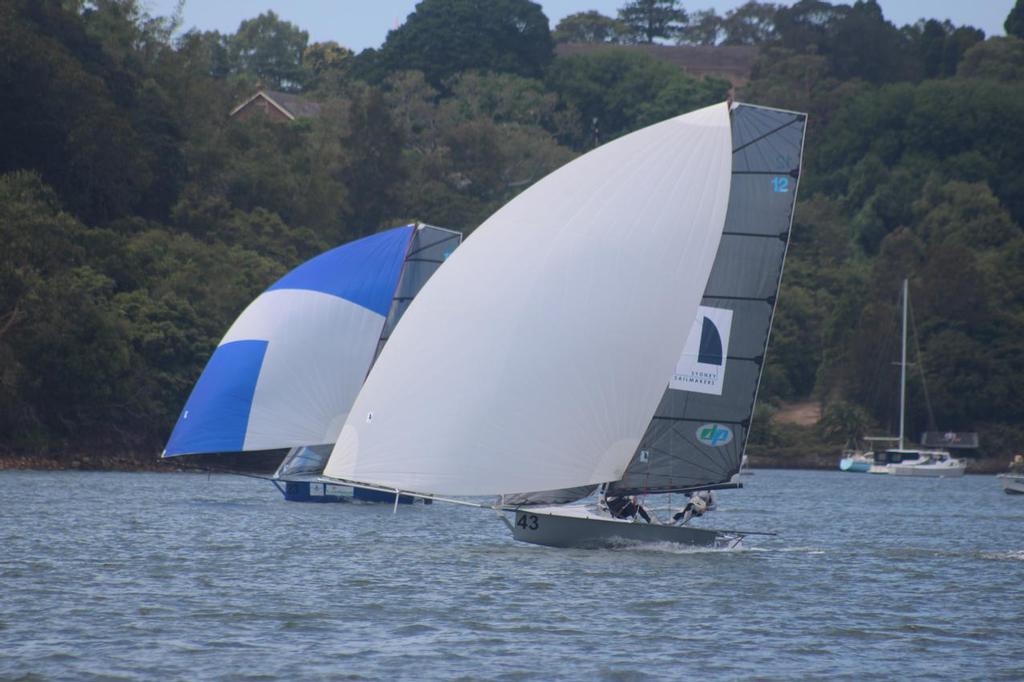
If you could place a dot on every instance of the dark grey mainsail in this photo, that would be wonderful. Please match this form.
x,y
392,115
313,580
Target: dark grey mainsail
x,y
699,431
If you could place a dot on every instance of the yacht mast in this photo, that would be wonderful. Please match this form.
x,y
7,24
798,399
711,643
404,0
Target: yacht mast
x,y
903,363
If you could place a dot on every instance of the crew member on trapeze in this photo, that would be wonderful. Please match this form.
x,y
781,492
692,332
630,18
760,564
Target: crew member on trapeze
x,y
626,508
700,503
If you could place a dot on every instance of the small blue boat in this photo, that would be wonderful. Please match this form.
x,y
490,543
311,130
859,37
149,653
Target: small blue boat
x,y
854,465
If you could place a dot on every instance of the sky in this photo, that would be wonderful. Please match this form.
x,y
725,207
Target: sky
x,y
358,24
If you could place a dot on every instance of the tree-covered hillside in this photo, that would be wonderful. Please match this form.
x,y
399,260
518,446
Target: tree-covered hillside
x,y
137,218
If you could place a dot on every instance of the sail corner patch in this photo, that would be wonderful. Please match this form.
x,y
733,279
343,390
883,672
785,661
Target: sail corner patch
x,y
701,367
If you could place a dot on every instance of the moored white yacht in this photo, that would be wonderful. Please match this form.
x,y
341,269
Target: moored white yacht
x,y
1013,480
933,463
901,461
1013,484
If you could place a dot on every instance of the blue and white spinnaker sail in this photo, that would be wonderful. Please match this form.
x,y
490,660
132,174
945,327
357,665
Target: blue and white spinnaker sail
x,y
289,368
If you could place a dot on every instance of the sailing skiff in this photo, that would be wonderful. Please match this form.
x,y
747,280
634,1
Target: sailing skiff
x,y
611,322
287,371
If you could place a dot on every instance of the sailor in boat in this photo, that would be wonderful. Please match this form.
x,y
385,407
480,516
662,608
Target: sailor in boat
x,y
626,507
700,503
1017,465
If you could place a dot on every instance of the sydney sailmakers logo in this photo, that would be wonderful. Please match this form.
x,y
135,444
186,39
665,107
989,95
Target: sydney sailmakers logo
x,y
701,367
714,434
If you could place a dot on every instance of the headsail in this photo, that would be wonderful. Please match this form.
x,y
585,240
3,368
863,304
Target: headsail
x,y
700,429
565,309
289,368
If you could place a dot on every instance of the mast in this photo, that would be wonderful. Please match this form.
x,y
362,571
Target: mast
x,y
903,363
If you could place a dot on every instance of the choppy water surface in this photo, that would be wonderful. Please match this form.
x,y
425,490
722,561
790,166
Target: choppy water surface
x,y
108,575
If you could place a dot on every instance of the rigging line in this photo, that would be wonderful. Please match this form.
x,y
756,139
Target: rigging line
x,y
433,244
695,420
792,172
920,367
407,493
781,235
215,470
757,359
689,489
881,366
795,119
424,260
770,300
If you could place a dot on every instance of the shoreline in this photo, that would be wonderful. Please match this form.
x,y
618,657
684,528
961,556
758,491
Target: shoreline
x,y
267,463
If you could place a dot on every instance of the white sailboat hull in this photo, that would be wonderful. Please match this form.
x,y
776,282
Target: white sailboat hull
x,y
1013,484
578,527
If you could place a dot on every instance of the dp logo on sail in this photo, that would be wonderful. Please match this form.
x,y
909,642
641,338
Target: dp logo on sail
x,y
714,434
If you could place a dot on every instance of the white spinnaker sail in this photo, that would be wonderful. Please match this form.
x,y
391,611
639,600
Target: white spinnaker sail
x,y
535,358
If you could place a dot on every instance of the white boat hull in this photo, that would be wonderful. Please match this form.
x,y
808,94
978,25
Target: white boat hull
x,y
577,527
1013,484
944,470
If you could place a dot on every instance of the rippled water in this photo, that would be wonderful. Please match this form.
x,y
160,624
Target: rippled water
x,y
117,575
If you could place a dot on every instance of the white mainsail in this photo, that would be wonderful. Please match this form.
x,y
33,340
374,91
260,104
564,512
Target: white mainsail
x,y
535,358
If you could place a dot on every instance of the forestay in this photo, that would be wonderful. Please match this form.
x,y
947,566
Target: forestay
x,y
289,368
564,310
699,432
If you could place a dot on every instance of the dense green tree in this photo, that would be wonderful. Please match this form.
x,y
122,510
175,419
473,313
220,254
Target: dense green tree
x,y
998,58
939,125
63,347
329,66
73,115
373,172
651,19
799,82
1014,23
752,23
703,28
589,27
864,45
467,154
269,50
624,90
443,37
806,25
856,39
941,45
